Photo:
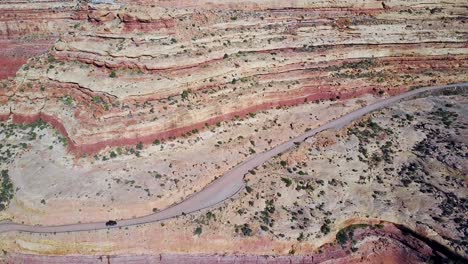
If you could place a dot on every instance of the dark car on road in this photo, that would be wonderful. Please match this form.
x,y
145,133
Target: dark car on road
x,y
111,223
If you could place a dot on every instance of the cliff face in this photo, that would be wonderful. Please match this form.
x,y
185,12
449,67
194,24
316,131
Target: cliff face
x,y
30,28
134,72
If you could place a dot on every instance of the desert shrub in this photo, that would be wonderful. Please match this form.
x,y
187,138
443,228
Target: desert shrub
x,y
6,190
197,231
325,229
287,181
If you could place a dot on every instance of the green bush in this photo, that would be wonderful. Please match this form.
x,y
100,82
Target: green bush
x,y
197,231
287,181
325,229
139,146
246,231
67,100
185,95
347,233
6,190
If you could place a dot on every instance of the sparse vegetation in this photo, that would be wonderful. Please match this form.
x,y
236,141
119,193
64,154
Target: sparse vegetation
x,y
198,231
139,146
185,95
287,181
68,100
6,191
246,231
325,229
346,234
97,100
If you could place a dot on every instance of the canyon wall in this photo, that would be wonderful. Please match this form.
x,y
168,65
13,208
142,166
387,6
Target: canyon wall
x,y
138,71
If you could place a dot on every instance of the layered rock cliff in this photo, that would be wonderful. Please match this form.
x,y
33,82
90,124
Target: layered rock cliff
x,y
130,72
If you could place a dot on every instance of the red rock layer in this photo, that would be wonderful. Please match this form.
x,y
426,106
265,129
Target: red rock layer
x,y
16,53
29,28
372,244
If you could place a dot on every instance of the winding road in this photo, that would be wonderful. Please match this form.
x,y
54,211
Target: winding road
x,y
231,182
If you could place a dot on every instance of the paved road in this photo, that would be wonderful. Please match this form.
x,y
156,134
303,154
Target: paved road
x,y
230,183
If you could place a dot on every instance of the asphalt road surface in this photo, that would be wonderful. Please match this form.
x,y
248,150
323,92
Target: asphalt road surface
x,y
232,181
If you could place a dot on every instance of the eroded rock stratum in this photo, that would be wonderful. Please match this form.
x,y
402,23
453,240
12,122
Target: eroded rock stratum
x,y
117,109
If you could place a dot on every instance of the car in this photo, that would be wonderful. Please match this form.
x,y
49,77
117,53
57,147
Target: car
x,y
111,223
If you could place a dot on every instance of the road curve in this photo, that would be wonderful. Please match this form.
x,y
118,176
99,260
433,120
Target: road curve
x,y
230,183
